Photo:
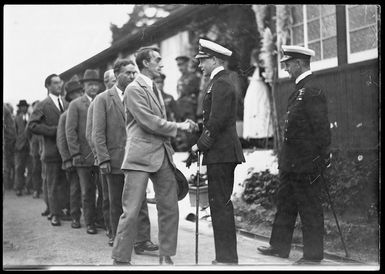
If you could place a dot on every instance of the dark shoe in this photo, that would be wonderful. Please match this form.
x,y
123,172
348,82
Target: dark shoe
x,y
111,241
35,195
165,260
75,223
145,246
49,217
91,229
55,221
151,200
120,263
45,213
270,251
223,263
19,193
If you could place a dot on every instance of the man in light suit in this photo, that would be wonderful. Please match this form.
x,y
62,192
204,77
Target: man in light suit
x,y
43,121
81,153
148,154
110,138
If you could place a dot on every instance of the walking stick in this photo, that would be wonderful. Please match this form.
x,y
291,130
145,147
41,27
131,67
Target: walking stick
x,y
323,183
197,209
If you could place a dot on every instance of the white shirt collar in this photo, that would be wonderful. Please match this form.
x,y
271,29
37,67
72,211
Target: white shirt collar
x,y
216,71
302,76
120,92
54,99
89,98
146,79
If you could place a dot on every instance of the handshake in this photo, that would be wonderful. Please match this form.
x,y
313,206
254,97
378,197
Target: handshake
x,y
188,126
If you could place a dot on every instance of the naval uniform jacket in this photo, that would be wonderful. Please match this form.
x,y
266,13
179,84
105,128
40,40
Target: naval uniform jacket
x,y
307,129
219,141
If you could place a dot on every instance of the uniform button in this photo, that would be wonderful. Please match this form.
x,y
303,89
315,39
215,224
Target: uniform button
x,y
285,139
286,121
286,129
204,112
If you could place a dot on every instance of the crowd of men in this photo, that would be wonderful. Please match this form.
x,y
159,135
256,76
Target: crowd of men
x,y
96,148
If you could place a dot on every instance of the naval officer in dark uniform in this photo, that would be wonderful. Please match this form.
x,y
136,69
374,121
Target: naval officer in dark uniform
x,y
221,147
305,150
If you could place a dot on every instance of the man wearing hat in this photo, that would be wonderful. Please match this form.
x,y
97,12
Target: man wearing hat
x,y
9,136
80,150
221,147
22,150
304,152
73,90
44,120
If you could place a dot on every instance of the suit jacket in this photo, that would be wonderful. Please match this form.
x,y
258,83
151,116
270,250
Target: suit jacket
x,y
219,141
90,141
9,134
43,121
307,129
61,138
108,131
22,143
148,131
76,131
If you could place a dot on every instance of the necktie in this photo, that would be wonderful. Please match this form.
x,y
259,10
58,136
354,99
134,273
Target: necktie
x,y
155,91
60,106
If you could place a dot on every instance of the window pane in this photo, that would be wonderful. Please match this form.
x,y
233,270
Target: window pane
x,y
329,26
298,35
361,15
363,39
316,46
312,11
327,9
313,30
297,14
329,47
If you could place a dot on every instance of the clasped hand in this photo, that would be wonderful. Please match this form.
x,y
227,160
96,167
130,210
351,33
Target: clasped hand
x,y
188,125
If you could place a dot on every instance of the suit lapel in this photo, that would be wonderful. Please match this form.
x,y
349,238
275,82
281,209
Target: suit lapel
x,y
53,106
148,89
113,92
86,101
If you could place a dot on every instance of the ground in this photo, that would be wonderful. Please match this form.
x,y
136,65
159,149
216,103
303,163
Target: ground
x,y
29,240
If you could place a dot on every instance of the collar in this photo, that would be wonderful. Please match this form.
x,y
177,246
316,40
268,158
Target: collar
x,y
120,92
54,97
146,79
88,97
216,71
302,76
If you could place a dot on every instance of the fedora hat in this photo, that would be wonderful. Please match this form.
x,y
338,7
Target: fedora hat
x,y
23,103
182,184
73,86
91,75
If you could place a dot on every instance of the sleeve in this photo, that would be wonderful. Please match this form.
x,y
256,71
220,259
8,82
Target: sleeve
x,y
61,140
9,128
72,129
98,133
135,100
37,123
316,109
90,113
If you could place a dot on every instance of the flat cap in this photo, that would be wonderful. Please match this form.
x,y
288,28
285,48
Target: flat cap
x,y
208,48
290,52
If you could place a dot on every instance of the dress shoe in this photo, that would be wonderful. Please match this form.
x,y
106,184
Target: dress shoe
x,y
45,213
91,229
271,251
55,221
75,223
145,246
111,241
215,262
19,193
49,217
165,260
35,195
304,261
120,263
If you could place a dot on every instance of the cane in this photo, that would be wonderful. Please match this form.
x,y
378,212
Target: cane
x,y
325,186
197,208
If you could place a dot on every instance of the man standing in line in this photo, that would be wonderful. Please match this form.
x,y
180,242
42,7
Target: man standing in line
x,y
80,151
148,154
9,136
221,147
73,91
22,158
304,153
109,81
44,121
109,135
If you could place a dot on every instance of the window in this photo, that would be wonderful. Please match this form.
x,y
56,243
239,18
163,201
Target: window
x,y
362,33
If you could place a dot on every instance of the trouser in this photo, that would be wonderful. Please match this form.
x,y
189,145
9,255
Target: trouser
x,y
99,199
36,173
56,180
75,193
296,194
23,161
134,201
44,181
105,203
88,177
220,187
